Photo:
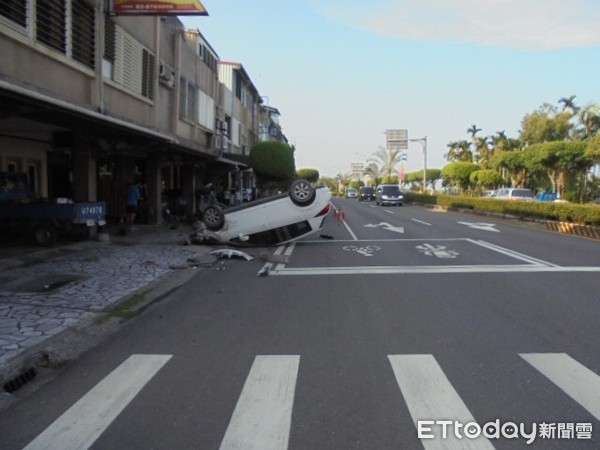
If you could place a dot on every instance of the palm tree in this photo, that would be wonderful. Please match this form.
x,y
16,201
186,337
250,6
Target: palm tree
x,y
589,118
344,180
568,103
459,151
478,144
373,171
483,152
386,160
473,130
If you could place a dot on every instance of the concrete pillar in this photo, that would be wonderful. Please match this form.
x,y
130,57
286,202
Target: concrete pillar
x,y
85,181
188,186
153,189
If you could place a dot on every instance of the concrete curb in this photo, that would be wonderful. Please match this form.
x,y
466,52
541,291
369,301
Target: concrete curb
x,y
574,228
67,345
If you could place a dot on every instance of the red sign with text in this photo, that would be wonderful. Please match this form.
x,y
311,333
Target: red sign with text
x,y
159,7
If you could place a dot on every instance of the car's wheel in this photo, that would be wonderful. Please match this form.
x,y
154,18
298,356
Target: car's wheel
x,y
302,193
44,234
213,218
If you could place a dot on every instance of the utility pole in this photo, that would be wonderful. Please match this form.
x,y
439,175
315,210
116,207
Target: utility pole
x,y
398,139
423,142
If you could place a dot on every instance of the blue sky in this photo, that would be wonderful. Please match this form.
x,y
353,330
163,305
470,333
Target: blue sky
x,y
341,72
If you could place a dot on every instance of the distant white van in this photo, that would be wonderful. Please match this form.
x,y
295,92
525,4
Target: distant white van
x,y
515,194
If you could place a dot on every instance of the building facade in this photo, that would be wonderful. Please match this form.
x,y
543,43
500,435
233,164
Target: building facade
x,y
91,102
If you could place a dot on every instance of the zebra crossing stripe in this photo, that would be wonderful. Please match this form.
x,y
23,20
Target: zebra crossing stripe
x,y
430,396
80,426
579,382
263,415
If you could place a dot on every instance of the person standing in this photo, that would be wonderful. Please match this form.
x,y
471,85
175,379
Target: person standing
x,y
134,194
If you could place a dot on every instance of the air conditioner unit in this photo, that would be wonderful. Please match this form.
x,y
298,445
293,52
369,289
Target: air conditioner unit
x,y
224,127
225,143
166,74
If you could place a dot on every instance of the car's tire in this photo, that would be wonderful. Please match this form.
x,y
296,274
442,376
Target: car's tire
x,y
302,193
44,234
213,218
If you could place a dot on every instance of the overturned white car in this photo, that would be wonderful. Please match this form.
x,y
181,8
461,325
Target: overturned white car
x,y
270,221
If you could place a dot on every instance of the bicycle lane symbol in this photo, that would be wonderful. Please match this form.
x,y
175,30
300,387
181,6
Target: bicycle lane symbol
x,y
365,250
437,250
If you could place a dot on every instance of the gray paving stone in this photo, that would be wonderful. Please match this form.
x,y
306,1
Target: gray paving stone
x,y
112,271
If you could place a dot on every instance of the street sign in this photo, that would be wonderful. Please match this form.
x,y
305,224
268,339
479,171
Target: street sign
x,y
396,139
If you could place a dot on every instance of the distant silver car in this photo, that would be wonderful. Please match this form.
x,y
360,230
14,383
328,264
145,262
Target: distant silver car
x,y
515,194
270,221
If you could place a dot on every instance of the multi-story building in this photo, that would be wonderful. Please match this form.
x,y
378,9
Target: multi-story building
x,y
89,102
270,129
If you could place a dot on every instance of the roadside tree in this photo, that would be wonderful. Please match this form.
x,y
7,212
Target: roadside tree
x,y
458,174
485,179
546,124
513,163
564,162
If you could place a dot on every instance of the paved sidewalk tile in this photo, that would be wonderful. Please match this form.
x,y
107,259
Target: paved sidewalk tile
x,y
95,274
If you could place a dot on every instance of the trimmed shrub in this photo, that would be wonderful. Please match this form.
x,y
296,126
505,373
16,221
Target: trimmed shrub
x,y
273,161
310,175
564,212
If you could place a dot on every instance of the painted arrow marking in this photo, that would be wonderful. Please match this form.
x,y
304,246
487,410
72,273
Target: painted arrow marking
x,y
386,226
481,226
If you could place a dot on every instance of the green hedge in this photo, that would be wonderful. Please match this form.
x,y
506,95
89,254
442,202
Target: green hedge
x,y
273,160
564,212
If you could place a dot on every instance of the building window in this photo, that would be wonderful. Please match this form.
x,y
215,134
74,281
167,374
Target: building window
x,y
15,11
148,74
51,24
207,57
67,26
191,102
133,67
82,34
188,100
110,39
182,98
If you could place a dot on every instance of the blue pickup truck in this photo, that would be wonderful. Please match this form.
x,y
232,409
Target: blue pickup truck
x,y
22,213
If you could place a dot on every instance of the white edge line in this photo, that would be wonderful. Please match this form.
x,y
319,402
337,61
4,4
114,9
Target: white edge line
x,y
511,253
350,230
377,270
333,241
420,221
